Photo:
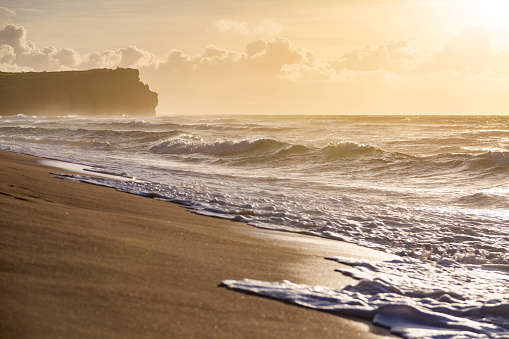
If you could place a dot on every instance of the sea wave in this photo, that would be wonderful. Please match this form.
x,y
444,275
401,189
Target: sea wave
x,y
192,145
85,144
163,137
17,117
492,198
165,125
484,163
75,136
142,123
349,148
494,159
187,143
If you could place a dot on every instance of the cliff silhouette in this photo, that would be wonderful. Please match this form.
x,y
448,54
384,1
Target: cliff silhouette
x,y
93,92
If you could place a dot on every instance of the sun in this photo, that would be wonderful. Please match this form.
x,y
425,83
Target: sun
x,y
491,13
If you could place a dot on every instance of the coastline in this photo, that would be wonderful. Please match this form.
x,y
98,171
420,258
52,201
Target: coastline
x,y
87,261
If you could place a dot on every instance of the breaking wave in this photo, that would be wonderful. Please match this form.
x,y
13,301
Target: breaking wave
x,y
343,151
192,145
189,145
349,148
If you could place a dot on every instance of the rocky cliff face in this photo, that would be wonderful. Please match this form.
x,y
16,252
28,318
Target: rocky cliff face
x,y
93,92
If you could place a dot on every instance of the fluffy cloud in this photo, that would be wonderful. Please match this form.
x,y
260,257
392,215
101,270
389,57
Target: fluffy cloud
x,y
470,49
19,54
134,57
276,76
15,37
260,57
7,55
395,56
67,57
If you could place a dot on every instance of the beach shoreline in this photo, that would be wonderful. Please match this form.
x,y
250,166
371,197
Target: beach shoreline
x,y
88,261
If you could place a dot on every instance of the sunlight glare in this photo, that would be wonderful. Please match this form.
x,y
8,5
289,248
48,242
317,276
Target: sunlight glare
x,y
492,13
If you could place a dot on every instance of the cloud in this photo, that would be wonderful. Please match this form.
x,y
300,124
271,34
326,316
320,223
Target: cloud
x,y
106,59
132,56
395,56
7,54
67,57
268,27
6,12
274,75
232,26
17,53
471,49
260,58
16,37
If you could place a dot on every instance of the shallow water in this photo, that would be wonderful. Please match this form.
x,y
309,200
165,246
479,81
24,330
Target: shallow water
x,y
431,188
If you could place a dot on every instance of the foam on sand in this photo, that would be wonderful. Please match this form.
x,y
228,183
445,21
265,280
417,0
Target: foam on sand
x,y
413,298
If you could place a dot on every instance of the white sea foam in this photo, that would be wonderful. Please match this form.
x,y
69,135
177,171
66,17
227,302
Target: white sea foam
x,y
412,298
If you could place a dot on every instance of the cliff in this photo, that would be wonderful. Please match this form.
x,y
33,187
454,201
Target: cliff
x,y
93,92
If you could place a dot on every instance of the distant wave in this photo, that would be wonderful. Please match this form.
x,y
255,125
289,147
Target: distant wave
x,y
485,200
472,162
349,148
162,126
494,159
16,117
123,139
142,123
91,144
271,149
168,138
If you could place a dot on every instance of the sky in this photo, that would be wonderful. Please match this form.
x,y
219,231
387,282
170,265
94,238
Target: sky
x,y
277,56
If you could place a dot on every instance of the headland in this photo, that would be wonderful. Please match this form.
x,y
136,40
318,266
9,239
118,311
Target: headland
x,y
96,92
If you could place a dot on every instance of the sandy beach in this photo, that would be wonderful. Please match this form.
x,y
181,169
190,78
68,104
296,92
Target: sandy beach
x,y
83,261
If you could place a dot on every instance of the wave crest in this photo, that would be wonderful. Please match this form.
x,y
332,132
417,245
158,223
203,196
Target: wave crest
x,y
349,149
494,159
189,145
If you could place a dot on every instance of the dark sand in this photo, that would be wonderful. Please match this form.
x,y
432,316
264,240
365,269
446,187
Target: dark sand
x,y
83,261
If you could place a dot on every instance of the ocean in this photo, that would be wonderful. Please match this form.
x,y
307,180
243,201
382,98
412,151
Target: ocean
x,y
432,189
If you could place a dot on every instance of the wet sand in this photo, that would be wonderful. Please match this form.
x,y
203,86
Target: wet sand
x,y
83,261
